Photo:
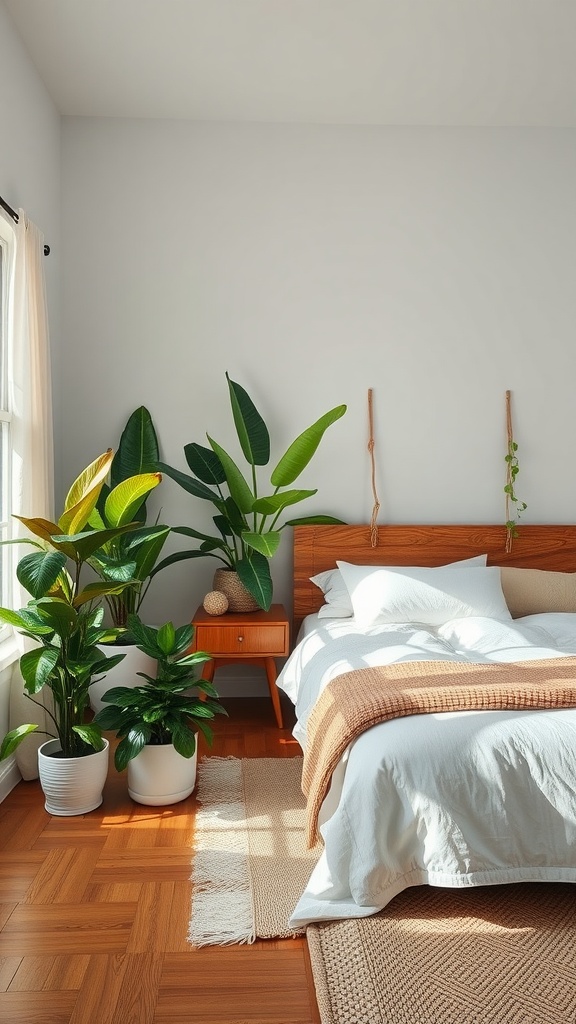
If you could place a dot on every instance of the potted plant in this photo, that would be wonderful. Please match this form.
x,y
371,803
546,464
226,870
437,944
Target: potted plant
x,y
157,722
65,620
128,556
248,529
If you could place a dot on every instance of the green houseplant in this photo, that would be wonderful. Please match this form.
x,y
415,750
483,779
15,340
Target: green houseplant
x,y
64,618
247,523
157,721
129,556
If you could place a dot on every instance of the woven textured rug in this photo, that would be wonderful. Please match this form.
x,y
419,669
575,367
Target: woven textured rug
x,y
498,955
250,859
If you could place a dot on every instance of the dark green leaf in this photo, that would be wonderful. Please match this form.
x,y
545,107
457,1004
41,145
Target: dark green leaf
x,y
145,636
112,570
137,449
183,639
91,734
315,520
188,531
184,740
109,718
85,544
239,489
147,550
130,746
58,615
39,571
178,556
254,573
37,666
223,526
250,427
195,487
204,463
236,520
206,731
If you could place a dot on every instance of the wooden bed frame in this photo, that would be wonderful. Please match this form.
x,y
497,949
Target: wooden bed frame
x,y
316,549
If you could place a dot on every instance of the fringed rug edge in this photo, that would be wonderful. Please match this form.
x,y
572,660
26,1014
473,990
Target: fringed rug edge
x,y
222,909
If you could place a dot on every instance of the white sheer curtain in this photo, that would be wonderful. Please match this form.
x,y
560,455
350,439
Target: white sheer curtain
x,y
32,439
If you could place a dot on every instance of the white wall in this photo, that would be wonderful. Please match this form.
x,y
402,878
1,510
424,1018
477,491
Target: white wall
x,y
30,178
436,266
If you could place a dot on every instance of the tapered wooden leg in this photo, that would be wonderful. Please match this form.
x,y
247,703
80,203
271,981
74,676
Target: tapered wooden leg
x,y
208,670
271,674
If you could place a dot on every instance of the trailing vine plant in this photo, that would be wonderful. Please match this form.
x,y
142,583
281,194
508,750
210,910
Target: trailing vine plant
x,y
514,507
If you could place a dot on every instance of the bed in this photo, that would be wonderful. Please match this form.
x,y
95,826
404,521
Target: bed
x,y
458,797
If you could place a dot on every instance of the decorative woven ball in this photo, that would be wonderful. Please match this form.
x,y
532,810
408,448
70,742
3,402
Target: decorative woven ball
x,y
215,603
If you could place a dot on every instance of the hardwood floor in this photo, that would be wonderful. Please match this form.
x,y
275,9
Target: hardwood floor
x,y
94,911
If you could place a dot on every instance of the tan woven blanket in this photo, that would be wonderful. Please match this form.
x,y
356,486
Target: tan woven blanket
x,y
355,701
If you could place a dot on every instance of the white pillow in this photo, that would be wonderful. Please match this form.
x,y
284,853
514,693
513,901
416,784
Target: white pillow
x,y
338,604
429,596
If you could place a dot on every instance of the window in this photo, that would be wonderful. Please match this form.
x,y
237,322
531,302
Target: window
x,y
7,258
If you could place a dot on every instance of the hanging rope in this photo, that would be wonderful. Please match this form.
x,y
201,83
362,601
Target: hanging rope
x,y
512,471
376,508
510,440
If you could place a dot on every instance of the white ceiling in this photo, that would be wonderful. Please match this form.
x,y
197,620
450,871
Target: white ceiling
x,y
413,62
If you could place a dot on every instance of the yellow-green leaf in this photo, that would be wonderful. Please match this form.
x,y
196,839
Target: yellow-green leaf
x,y
124,500
83,494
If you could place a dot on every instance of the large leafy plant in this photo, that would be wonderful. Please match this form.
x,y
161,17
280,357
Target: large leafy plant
x,y
65,616
162,710
248,528
129,557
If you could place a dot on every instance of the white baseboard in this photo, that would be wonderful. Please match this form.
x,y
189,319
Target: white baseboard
x,y
9,777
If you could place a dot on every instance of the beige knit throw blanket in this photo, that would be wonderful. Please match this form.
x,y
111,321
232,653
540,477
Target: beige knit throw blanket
x,y
355,701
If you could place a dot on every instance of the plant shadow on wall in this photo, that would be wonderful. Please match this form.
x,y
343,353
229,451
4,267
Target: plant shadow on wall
x,y
248,529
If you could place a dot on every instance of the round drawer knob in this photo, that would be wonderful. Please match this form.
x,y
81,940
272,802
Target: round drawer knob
x,y
240,639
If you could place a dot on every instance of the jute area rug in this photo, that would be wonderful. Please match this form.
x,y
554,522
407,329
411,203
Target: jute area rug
x,y
250,859
496,955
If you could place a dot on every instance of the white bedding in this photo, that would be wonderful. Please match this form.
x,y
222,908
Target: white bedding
x,y
458,799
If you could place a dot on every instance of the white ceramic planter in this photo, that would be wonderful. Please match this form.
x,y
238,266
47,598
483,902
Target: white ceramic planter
x,y
72,785
123,674
159,775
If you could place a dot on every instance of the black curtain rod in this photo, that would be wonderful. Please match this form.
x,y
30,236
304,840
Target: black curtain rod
x,y
12,213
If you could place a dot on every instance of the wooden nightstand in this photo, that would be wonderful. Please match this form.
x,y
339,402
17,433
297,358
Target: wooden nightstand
x,y
251,637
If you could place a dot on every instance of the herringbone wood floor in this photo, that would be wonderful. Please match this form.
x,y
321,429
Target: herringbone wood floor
x,y
94,912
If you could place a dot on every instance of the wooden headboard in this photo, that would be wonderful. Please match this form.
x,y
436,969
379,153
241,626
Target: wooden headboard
x,y
316,548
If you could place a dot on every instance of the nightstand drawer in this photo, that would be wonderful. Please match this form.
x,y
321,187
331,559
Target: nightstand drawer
x,y
241,639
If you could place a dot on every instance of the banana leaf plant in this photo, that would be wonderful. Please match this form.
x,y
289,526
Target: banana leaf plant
x,y
161,710
129,556
247,523
64,616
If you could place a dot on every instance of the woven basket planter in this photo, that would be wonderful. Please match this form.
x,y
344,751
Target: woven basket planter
x,y
239,600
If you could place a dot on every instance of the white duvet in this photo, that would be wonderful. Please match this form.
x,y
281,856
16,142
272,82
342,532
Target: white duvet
x,y
454,799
